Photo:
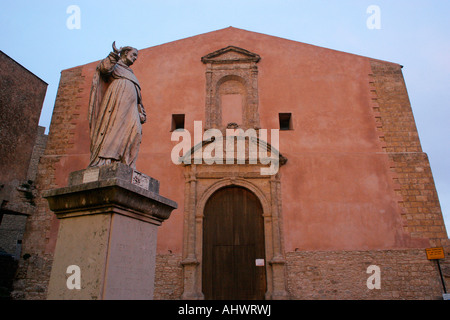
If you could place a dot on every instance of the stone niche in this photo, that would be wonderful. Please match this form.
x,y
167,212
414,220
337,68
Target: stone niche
x,y
231,88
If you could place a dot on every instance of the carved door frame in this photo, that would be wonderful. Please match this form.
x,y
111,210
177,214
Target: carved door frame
x,y
201,182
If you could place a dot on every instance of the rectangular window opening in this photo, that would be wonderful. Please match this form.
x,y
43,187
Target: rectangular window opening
x,y
177,122
286,121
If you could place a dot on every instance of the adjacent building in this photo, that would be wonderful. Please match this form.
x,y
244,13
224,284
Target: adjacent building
x,y
22,142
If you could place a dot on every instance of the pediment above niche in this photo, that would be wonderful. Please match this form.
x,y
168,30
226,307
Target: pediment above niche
x,y
231,54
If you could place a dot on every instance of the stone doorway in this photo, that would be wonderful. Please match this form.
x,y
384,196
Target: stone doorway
x,y
202,182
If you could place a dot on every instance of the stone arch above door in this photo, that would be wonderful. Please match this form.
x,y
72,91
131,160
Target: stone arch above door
x,y
233,181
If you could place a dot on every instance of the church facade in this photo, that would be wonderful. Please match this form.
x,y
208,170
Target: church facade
x,y
342,206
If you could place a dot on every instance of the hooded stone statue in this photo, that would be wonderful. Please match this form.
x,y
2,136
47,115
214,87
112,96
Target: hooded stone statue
x,y
116,113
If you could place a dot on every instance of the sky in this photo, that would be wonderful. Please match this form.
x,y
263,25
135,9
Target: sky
x,y
44,37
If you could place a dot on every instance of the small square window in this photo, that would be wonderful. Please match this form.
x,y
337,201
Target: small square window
x,y
285,121
177,122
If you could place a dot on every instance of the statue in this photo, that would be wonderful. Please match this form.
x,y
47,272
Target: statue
x,y
116,113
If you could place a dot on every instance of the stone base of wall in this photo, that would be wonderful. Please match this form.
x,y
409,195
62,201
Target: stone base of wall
x,y
168,277
342,275
311,275
31,281
337,275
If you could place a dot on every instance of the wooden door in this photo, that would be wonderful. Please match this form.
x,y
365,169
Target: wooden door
x,y
233,239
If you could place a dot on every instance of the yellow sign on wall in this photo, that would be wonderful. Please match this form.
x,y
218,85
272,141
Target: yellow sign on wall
x,y
435,253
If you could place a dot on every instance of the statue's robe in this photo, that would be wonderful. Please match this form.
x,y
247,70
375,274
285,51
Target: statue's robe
x,y
115,107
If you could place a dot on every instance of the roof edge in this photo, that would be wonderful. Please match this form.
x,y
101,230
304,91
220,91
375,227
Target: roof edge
x,y
20,65
254,32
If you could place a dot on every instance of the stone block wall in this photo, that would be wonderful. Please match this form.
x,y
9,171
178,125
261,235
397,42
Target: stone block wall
x,y
11,231
409,164
421,208
21,98
338,275
342,275
38,151
168,277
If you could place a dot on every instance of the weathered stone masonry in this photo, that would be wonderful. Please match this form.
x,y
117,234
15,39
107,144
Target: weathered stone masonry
x,y
404,274
34,270
420,203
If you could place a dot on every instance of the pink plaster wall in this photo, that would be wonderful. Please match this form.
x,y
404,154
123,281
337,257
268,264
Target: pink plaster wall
x,y
337,188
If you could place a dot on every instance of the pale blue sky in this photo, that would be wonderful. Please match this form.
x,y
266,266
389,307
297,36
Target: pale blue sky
x,y
415,34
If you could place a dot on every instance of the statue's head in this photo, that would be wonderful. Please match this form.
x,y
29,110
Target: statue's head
x,y
128,55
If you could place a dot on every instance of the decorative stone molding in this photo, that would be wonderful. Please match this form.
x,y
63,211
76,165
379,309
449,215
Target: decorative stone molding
x,y
250,143
232,71
229,71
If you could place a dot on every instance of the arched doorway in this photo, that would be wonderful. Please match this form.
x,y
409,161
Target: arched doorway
x,y
233,264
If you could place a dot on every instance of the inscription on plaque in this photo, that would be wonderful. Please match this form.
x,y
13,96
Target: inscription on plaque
x,y
91,175
140,180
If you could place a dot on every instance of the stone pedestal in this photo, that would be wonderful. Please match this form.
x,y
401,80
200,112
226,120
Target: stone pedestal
x,y
108,226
